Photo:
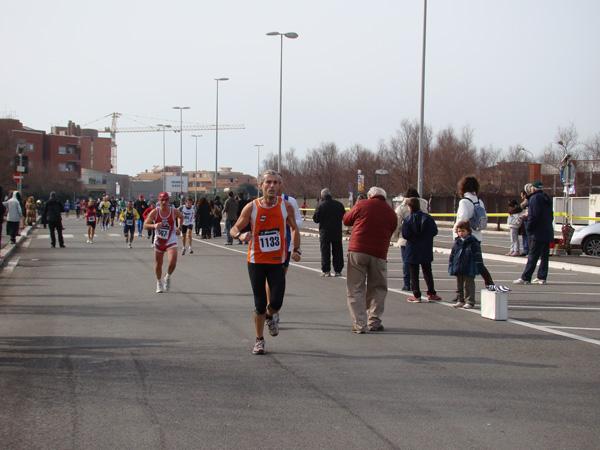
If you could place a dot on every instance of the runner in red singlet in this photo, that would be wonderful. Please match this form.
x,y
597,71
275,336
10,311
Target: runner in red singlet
x,y
166,222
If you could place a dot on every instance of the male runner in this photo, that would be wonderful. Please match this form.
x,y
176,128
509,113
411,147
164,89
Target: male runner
x,y
166,222
105,211
189,213
267,251
128,217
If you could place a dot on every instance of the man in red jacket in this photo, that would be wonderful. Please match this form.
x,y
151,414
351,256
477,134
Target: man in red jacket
x,y
373,222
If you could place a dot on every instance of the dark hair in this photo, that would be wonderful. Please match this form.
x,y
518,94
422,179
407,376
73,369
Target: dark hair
x,y
414,204
468,184
466,225
412,192
513,202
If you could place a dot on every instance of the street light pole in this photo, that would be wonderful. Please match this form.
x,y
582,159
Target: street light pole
x,y
164,189
217,135
290,35
422,120
181,108
196,171
258,146
522,149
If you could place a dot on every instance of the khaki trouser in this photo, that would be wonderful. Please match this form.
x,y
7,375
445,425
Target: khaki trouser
x,y
366,288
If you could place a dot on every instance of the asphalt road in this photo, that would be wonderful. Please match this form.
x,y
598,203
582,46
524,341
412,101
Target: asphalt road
x,y
92,358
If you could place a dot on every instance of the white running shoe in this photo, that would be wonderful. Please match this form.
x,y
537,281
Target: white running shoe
x,y
167,282
183,252
191,251
273,327
538,281
159,287
259,347
129,245
521,281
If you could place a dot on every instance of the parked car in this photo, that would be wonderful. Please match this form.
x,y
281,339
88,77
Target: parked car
x,y
589,239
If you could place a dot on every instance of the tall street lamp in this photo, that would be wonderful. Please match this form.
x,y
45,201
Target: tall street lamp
x,y
422,119
164,189
522,149
217,135
196,171
289,35
258,146
181,108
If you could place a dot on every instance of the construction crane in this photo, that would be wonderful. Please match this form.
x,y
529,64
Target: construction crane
x,y
113,130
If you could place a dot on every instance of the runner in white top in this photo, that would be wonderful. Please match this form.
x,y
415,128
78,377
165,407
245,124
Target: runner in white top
x,y
189,213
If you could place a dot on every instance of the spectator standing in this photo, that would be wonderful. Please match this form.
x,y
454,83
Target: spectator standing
x,y
419,229
540,230
514,222
403,212
329,214
230,214
30,212
215,212
52,216
523,230
2,212
373,222
140,206
14,215
465,264
468,190
203,218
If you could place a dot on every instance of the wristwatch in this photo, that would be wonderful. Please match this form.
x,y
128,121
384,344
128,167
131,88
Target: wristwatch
x,y
238,234
298,250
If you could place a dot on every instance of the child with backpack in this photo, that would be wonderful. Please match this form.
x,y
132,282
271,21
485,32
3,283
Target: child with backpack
x,y
465,264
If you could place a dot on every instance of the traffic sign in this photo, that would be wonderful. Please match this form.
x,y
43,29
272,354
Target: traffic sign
x,y
17,177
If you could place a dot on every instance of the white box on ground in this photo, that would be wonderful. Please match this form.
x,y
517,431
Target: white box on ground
x,y
494,305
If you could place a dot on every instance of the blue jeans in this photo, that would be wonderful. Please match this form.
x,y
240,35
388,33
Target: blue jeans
x,y
525,239
541,251
405,267
228,226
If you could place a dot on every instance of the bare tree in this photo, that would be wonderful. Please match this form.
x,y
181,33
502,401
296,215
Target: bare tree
x,y
451,158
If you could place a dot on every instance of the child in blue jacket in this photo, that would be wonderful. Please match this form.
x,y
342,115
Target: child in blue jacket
x,y
465,263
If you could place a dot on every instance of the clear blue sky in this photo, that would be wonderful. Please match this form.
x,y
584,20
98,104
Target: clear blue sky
x,y
513,70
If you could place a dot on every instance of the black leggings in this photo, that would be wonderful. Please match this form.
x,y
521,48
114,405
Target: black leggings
x,y
274,274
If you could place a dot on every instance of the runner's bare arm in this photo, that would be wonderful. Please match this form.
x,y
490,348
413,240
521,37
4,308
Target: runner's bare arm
x,y
179,221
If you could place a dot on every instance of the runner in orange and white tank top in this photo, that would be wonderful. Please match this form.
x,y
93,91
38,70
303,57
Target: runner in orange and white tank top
x,y
268,244
267,251
166,222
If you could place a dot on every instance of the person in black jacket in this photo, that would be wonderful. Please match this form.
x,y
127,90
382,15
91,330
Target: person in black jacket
x,y
419,229
51,216
540,231
465,264
329,214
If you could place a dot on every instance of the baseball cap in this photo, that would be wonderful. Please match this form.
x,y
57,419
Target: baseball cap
x,y
537,184
141,196
163,196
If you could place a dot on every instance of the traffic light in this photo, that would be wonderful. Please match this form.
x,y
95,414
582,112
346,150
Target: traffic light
x,y
21,161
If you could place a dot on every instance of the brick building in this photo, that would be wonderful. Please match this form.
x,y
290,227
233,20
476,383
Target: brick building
x,y
52,158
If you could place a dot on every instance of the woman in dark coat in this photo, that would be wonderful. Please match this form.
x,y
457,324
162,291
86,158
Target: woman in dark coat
x,y
203,217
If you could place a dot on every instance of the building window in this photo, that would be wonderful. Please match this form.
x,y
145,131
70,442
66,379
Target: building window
x,y
62,150
29,147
